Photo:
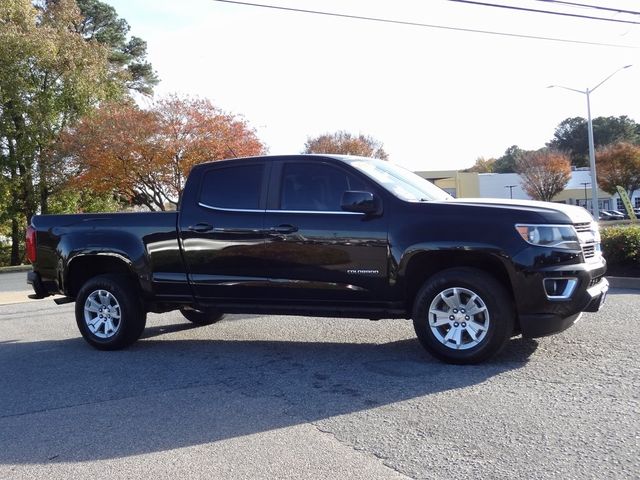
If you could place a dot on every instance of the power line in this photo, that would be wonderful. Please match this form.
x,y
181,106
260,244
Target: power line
x,y
548,12
595,7
423,25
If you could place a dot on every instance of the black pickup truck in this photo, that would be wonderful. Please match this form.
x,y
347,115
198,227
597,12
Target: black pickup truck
x,y
326,235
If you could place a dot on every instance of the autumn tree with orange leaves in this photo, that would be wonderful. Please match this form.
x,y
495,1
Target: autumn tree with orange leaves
x,y
144,156
344,143
619,164
544,173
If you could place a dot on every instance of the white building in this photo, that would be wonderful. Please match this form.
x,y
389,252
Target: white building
x,y
509,185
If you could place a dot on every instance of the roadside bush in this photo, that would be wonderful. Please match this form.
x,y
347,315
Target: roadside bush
x,y
621,244
5,255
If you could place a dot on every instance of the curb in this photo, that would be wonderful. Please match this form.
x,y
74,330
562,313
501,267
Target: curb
x,y
17,268
629,283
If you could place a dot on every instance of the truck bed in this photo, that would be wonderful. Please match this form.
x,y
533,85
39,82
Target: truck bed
x,y
148,239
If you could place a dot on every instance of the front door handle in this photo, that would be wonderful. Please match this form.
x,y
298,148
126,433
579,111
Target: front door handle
x,y
283,229
201,227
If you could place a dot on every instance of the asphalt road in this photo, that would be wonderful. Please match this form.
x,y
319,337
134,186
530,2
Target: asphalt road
x,y
13,282
297,397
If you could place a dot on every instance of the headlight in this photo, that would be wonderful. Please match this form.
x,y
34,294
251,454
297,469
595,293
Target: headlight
x,y
553,236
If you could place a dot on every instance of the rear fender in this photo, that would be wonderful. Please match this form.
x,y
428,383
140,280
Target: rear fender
x,y
87,254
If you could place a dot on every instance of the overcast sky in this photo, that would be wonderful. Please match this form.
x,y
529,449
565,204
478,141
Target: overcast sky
x,y
436,98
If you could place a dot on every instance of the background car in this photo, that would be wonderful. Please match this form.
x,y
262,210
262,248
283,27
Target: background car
x,y
610,215
621,213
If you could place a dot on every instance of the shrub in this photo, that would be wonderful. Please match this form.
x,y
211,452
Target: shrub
x,y
5,255
621,244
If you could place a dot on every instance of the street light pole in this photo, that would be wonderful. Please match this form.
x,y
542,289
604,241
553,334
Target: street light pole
x,y
510,187
595,207
584,184
592,150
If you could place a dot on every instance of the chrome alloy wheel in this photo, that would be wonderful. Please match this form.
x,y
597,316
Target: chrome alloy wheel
x,y
458,318
102,314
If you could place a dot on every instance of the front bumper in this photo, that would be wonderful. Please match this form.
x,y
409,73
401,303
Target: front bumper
x,y
542,324
597,295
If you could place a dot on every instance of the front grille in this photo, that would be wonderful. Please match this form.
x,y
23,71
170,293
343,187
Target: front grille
x,y
586,234
582,227
589,250
595,280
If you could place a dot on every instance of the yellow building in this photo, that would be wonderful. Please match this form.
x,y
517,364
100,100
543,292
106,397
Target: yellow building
x,y
456,183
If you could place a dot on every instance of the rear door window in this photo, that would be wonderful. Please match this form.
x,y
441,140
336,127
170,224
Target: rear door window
x,y
237,187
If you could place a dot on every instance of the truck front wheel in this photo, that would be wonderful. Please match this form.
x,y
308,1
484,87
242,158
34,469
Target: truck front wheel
x,y
109,313
463,316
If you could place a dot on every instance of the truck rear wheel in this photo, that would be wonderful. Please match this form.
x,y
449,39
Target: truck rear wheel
x,y
199,317
109,313
463,316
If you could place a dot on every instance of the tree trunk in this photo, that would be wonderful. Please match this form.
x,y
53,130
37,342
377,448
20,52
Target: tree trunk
x,y
15,242
28,191
43,184
44,198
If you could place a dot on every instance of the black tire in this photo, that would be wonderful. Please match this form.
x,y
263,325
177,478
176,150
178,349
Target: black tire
x,y
198,317
111,296
461,336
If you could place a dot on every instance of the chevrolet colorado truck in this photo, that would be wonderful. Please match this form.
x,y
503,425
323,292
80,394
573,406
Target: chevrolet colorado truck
x,y
326,235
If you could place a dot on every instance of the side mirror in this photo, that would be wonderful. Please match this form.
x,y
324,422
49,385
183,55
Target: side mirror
x,y
359,202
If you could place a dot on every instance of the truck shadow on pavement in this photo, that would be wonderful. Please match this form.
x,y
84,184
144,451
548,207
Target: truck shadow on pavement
x,y
61,401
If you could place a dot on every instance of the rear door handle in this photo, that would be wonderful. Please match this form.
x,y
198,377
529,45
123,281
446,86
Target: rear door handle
x,y
283,229
201,227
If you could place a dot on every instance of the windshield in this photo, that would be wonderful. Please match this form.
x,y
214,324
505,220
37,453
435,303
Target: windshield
x,y
400,181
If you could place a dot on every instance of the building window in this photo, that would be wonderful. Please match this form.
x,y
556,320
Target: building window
x,y
620,205
636,202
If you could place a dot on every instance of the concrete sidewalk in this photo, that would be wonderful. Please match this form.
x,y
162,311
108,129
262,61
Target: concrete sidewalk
x,y
7,298
632,283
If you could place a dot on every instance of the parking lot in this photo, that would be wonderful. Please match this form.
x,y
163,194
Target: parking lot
x,y
298,397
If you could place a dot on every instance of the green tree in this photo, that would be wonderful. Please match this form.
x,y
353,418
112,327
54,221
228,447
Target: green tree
x,y
619,164
74,200
127,56
507,162
571,135
49,77
344,143
56,66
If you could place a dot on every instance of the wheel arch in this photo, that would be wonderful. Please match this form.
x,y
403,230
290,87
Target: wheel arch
x,y
424,265
83,267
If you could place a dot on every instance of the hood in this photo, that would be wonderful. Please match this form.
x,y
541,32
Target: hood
x,y
574,213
